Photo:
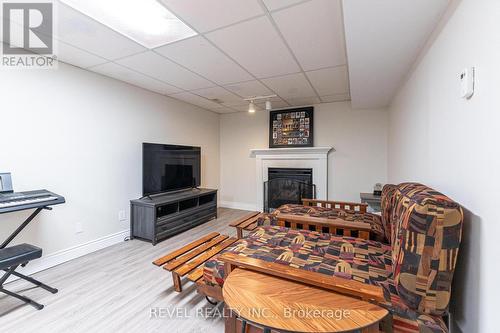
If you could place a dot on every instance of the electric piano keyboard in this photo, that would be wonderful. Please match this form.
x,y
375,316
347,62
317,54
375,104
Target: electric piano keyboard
x,y
12,202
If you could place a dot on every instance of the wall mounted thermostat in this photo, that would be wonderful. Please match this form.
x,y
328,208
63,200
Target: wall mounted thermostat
x,y
467,82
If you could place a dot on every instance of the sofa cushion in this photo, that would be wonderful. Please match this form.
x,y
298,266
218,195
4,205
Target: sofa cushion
x,y
420,324
406,319
374,220
346,257
387,205
427,228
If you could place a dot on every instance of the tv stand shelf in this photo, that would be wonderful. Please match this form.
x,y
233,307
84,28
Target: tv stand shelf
x,y
159,217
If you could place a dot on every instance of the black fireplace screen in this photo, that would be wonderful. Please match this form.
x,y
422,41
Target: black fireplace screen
x,y
287,186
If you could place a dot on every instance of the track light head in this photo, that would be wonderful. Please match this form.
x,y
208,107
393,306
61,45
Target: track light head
x,y
269,106
251,107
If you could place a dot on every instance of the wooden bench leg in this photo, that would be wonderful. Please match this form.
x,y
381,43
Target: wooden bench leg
x,y
371,329
228,268
230,321
177,282
239,233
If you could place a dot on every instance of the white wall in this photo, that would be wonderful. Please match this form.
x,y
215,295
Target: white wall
x,y
360,159
451,144
79,134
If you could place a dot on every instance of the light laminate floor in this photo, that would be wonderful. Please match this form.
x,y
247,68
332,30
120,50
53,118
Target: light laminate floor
x,y
115,290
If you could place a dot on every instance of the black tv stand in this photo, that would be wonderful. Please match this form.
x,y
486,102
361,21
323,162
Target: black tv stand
x,y
155,218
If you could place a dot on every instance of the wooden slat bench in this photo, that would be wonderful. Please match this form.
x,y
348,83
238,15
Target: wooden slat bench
x,y
189,259
247,222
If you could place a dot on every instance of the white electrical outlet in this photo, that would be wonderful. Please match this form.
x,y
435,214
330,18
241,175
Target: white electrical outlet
x,y
78,227
122,215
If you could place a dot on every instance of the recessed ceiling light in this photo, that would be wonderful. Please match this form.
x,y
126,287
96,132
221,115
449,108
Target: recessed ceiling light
x,y
145,21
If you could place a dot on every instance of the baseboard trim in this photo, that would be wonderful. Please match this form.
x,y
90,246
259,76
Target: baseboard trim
x,y
237,205
71,253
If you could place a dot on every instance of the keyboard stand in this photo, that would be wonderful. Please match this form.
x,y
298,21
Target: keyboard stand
x,y
22,226
11,270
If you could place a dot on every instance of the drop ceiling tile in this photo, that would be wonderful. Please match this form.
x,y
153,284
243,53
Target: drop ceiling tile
x,y
159,67
199,55
124,74
256,45
330,81
196,100
77,29
315,33
221,94
249,89
304,101
223,110
260,103
277,4
77,57
70,54
272,99
274,104
335,98
290,86
232,104
276,101
218,13
244,108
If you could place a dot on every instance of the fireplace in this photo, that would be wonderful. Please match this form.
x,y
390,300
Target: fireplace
x,y
315,158
288,186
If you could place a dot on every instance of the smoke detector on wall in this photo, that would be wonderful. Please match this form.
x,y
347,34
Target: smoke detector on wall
x,y
467,82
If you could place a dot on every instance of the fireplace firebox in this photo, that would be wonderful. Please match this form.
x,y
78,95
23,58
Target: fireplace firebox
x,y
287,186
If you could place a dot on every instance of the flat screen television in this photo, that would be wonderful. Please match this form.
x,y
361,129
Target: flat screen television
x,y
167,168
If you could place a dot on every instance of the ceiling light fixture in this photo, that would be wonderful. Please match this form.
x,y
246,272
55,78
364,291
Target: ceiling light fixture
x,y
251,107
145,21
269,106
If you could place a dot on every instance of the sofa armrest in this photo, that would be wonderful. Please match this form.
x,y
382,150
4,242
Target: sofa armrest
x,y
321,224
342,286
353,206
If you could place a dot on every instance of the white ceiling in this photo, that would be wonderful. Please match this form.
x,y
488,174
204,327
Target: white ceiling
x,y
243,48
295,49
384,39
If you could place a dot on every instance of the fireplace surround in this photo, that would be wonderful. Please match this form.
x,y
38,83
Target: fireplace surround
x,y
315,158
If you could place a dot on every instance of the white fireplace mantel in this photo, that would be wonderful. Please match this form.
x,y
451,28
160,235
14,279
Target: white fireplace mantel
x,y
315,158
292,151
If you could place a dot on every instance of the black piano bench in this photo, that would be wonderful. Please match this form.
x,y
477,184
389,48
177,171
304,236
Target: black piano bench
x,y
15,256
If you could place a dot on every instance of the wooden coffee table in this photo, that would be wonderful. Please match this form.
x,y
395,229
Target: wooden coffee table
x,y
273,303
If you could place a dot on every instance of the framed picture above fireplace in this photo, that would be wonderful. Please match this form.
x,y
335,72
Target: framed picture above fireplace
x,y
291,128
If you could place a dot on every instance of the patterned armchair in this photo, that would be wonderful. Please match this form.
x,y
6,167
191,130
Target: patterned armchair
x,y
414,271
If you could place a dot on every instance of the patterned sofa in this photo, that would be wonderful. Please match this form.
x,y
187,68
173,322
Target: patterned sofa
x,y
415,270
